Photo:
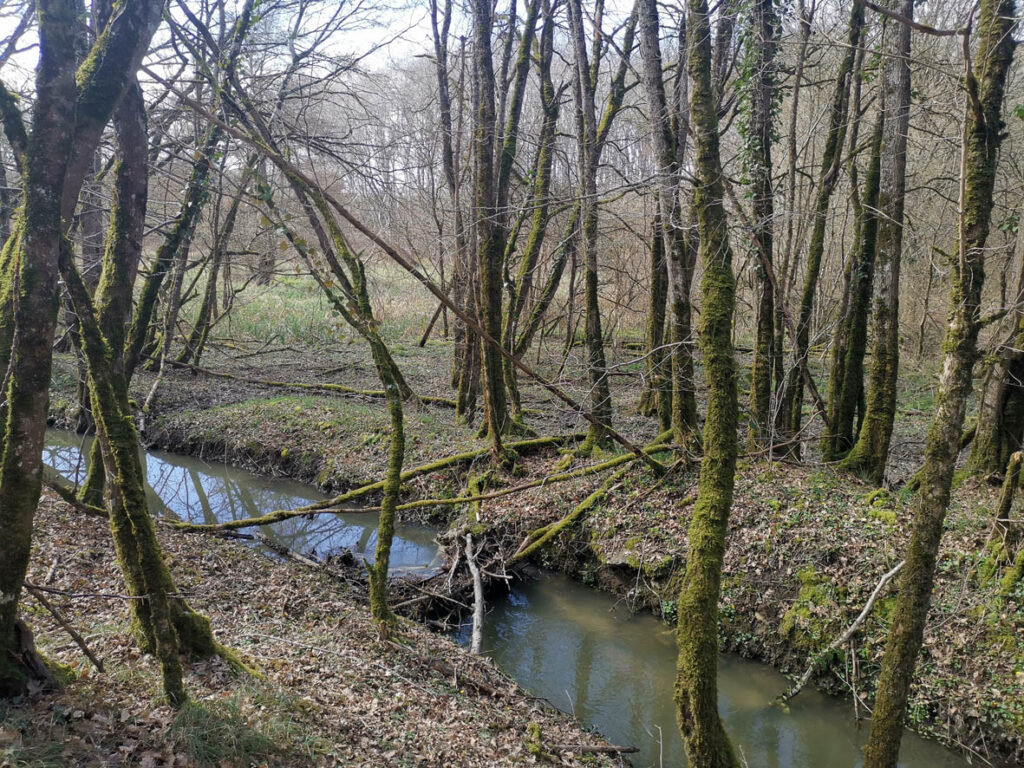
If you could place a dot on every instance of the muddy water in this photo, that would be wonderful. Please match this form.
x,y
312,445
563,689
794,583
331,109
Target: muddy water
x,y
186,488
614,671
560,640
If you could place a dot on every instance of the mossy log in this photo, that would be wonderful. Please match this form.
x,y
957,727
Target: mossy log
x,y
541,537
320,386
331,506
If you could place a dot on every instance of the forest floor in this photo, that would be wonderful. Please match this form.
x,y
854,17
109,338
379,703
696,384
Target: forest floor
x,y
807,544
332,693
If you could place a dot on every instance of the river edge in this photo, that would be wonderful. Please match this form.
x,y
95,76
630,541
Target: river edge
x,y
806,548
332,693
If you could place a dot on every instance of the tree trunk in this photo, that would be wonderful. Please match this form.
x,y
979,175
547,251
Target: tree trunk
x,y
30,279
696,689
669,141
1000,429
586,70
827,179
846,380
870,454
760,94
68,119
656,397
487,219
788,266
981,139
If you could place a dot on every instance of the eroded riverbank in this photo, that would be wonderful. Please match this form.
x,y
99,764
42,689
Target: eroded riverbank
x,y
581,650
806,547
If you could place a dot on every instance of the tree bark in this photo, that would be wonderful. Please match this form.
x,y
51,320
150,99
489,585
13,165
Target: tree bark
x,y
696,688
981,139
760,93
846,380
870,455
669,142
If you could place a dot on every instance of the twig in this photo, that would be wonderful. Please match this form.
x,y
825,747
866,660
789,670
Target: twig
x,y
842,639
79,640
52,573
592,749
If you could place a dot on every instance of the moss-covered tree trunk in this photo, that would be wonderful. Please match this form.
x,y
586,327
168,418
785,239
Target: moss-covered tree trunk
x,y
30,296
70,113
138,552
668,139
696,688
123,251
488,224
846,379
828,177
656,397
1000,429
761,97
982,136
871,452
379,608
539,200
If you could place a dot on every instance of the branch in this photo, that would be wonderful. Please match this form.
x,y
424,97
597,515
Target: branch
x,y
291,170
79,640
842,639
14,125
916,25
331,509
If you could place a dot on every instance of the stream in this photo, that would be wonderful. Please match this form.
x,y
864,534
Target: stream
x,y
576,647
197,491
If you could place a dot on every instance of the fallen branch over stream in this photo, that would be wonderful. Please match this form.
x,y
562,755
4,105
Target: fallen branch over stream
x,y
542,536
330,506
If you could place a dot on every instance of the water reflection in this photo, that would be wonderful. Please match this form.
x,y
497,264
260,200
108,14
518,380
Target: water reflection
x,y
615,671
186,488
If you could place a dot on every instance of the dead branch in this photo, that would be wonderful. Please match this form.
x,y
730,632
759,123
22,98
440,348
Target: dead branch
x,y
478,597
817,660
592,749
330,506
325,386
65,625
